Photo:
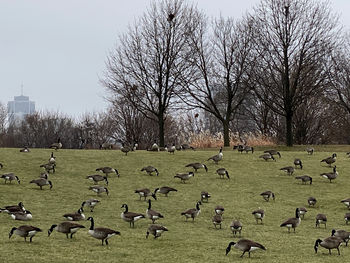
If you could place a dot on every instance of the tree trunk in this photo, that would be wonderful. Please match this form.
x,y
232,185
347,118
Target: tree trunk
x,y
226,133
289,129
161,130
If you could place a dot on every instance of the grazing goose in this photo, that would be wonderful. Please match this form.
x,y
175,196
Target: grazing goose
x,y
267,156
184,177
241,148
304,179
289,170
172,149
57,145
155,230
197,166
205,196
66,228
302,211
244,245
193,212
311,201
292,222
248,149
217,220
97,178
99,189
259,214
328,243
310,150
347,217
130,216
145,192
25,231
236,226
49,167
331,176
219,210
101,233
298,162
108,170
346,202
41,182
273,152
165,190
151,214
125,149
218,157
13,208
22,216
267,195
52,159
222,172
321,219
25,150
150,170
75,216
330,160
91,203
10,177
344,235
186,146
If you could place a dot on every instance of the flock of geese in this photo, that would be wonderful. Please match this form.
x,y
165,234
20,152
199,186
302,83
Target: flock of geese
x,y
70,226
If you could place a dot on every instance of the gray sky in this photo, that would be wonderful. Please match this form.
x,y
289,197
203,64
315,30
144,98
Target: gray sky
x,y
58,48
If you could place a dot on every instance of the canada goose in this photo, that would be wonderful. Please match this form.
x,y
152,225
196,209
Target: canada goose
x,y
125,149
267,156
273,152
331,176
186,146
100,232
172,149
165,190
89,203
149,170
44,175
97,178
205,196
321,219
163,149
244,245
10,177
330,160
259,214
298,162
25,231
99,189
66,228
267,194
302,211
193,212
241,148
292,222
197,166
155,230
130,216
184,177
154,147
52,159
57,145
219,210
49,167
22,216
151,214
75,216
25,150
145,192
344,235
222,172
289,170
13,208
178,147
236,226
346,202
217,220
311,201
108,170
328,243
218,157
41,182
347,218
310,150
304,179
248,149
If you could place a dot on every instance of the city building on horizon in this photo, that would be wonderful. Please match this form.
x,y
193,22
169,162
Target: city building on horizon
x,y
19,108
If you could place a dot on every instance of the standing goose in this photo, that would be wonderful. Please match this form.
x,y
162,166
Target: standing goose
x,y
347,218
346,202
155,230
330,160
184,177
321,219
41,182
205,196
311,201
154,147
328,243
267,156
292,222
344,235
310,150
151,214
22,216
150,170
236,226
304,179
217,220
218,157
75,216
13,208
25,231
165,190
244,245
57,145
145,192
52,159
298,162
99,189
222,172
10,177
97,178
259,214
66,228
49,167
125,149
273,152
193,212
289,170
108,170
267,195
219,210
331,176
172,149
101,233
91,203
302,211
197,166
130,216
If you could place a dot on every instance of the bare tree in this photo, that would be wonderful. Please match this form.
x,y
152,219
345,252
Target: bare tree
x,y
293,41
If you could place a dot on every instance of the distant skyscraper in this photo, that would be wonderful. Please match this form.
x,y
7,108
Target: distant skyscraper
x,y
19,108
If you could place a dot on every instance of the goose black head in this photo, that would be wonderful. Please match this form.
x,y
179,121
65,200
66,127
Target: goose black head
x,y
11,232
154,196
51,229
156,190
318,241
333,232
228,249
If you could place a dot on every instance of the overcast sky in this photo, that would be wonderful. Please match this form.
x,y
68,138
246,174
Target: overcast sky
x,y
57,49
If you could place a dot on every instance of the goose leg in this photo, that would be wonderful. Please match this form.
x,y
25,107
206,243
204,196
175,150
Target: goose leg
x,y
102,242
243,254
30,239
106,241
338,251
71,235
67,235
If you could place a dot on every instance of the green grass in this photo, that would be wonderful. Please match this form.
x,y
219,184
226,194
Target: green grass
x,y
185,241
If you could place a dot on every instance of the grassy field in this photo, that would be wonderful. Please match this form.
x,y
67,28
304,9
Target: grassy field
x,y
185,241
